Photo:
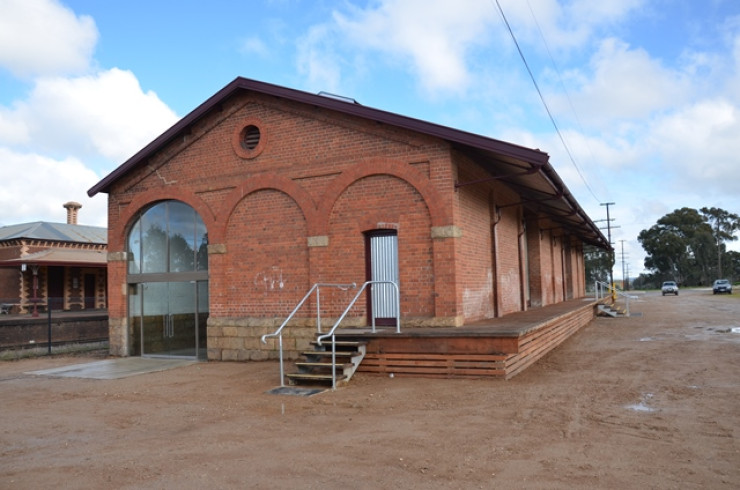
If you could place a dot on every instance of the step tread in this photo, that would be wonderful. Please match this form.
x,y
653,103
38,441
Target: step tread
x,y
314,376
345,343
325,353
323,364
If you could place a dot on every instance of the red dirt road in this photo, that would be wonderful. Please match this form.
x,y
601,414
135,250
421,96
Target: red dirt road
x,y
651,401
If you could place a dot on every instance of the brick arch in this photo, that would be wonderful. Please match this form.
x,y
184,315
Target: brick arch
x,y
378,166
151,196
269,181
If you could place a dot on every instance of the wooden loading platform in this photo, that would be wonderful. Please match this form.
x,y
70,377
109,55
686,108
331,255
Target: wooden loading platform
x,y
499,348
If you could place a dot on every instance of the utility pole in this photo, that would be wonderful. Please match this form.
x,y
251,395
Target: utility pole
x,y
625,275
611,249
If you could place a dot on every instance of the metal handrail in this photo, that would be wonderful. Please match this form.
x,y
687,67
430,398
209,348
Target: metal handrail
x,y
279,332
332,333
601,288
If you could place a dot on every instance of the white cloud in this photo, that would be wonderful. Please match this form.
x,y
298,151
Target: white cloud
x,y
318,60
565,25
623,84
13,130
429,35
107,114
72,120
39,186
42,37
254,45
732,86
700,144
442,46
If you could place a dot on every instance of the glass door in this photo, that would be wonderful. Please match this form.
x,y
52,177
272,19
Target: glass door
x,y
170,319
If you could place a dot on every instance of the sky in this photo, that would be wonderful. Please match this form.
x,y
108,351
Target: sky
x,y
637,102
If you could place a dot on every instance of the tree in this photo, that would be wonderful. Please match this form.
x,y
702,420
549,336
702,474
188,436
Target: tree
x,y
732,263
679,247
598,263
724,225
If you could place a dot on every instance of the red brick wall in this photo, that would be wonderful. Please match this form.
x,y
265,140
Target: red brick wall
x,y
383,202
265,270
10,284
547,256
473,254
508,261
536,264
557,267
579,270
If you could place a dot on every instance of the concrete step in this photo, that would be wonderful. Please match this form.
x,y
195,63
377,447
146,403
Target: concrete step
x,y
607,311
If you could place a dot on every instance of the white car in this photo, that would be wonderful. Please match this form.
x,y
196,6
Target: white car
x,y
669,287
722,286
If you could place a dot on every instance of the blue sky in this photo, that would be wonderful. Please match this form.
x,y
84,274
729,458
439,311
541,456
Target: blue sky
x,y
646,94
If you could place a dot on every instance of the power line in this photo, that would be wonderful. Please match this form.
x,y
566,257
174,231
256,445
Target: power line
x,y
544,103
562,84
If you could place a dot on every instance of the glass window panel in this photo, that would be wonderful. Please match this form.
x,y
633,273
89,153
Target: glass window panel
x,y
154,239
134,249
201,236
202,319
181,234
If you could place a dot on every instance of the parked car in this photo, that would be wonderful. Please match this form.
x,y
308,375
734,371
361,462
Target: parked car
x,y
669,287
722,286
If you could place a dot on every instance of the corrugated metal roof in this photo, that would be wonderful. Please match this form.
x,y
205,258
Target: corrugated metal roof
x,y
61,232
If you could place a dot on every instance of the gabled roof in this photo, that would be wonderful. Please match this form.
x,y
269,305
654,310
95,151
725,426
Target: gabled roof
x,y
526,170
55,232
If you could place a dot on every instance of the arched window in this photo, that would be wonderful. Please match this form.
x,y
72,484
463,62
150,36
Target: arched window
x,y
168,237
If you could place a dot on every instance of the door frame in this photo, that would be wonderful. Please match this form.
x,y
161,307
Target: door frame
x,y
380,289
196,279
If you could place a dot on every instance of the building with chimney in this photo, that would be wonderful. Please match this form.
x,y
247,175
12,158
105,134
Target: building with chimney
x,y
61,266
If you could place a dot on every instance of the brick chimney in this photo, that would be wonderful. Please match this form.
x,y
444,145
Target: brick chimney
x,y
72,208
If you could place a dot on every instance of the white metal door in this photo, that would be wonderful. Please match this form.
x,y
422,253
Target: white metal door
x,y
384,267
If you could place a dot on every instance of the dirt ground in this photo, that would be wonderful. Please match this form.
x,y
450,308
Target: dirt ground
x,y
651,401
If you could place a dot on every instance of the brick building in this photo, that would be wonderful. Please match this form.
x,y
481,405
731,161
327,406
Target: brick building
x,y
219,227
61,265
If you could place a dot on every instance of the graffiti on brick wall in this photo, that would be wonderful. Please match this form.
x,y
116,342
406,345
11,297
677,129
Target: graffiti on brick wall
x,y
270,279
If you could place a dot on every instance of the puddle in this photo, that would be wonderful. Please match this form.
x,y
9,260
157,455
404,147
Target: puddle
x,y
643,405
292,390
724,329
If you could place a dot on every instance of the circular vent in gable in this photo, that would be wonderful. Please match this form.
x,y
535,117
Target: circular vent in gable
x,y
248,140
251,137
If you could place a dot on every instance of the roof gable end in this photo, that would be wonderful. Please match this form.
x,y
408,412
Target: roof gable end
x,y
334,103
